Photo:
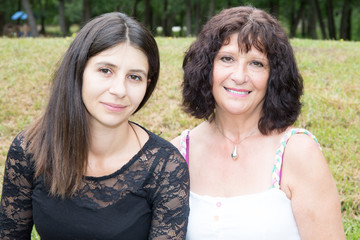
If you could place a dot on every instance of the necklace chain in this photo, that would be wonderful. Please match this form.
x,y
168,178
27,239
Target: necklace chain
x,y
234,154
137,137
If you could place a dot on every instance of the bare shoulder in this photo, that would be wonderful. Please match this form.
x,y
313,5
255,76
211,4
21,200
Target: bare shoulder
x,y
300,146
195,134
176,141
308,182
303,159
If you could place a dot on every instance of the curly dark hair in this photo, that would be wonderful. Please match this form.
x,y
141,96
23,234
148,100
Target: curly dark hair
x,y
255,28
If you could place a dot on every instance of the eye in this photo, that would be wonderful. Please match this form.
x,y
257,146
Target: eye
x,y
105,71
257,64
226,59
135,77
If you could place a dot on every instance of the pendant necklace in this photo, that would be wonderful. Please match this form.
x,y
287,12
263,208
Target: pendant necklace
x,y
234,154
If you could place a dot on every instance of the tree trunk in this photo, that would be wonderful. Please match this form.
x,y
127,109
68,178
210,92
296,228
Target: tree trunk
x,y
318,13
211,9
133,12
148,21
293,26
2,18
42,18
294,20
31,18
228,4
86,11
345,21
62,20
311,27
197,18
330,18
303,25
166,21
188,18
182,16
274,8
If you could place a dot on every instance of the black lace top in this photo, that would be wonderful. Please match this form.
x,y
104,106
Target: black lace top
x,y
146,199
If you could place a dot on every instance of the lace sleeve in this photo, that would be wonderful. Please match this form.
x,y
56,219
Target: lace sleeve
x,y
16,208
170,199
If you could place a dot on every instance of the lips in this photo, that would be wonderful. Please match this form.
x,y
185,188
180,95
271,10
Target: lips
x,y
241,92
114,107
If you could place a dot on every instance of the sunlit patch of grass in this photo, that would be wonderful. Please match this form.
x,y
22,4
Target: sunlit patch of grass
x,y
331,72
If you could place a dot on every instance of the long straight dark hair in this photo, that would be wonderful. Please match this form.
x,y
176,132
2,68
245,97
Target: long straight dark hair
x,y
59,140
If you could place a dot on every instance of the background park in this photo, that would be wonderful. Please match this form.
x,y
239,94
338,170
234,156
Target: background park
x,y
325,35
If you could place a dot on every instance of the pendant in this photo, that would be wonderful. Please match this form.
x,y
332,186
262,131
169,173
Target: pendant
x,y
234,153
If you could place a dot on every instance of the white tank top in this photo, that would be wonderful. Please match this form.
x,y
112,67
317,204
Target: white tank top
x,y
265,215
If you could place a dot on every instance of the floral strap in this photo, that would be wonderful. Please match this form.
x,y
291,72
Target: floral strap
x,y
184,144
276,172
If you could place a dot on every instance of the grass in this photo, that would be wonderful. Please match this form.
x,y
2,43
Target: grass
x,y
331,72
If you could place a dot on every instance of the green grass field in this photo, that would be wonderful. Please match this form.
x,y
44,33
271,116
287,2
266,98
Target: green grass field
x,y
331,71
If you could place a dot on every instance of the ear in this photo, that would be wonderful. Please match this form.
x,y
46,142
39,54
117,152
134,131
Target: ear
x,y
148,81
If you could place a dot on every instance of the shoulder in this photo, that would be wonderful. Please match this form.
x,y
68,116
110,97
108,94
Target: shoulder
x,y
302,160
18,147
308,182
167,159
163,150
178,142
18,158
300,143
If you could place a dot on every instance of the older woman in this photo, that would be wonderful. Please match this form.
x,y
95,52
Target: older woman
x,y
252,174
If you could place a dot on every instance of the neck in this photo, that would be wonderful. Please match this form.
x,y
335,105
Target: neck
x,y
236,128
107,141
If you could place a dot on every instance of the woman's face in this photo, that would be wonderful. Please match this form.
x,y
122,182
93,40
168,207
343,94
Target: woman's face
x,y
239,79
114,84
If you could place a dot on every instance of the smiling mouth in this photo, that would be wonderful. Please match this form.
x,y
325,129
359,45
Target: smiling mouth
x,y
238,92
114,107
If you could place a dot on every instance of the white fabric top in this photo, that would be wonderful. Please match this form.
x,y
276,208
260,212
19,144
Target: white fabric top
x,y
266,215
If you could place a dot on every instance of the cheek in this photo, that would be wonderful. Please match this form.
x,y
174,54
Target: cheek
x,y
137,94
260,81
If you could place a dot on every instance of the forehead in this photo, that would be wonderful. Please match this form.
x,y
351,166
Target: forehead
x,y
122,49
234,43
122,54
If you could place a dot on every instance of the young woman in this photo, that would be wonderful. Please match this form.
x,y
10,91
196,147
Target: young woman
x,y
83,171
253,175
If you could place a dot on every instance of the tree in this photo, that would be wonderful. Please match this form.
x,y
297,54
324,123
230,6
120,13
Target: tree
x,y
31,18
166,25
311,26
197,18
62,21
211,9
345,25
148,20
274,8
134,12
86,11
318,13
295,19
188,17
330,18
42,18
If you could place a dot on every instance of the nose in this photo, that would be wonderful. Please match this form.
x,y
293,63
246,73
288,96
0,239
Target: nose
x,y
118,87
239,73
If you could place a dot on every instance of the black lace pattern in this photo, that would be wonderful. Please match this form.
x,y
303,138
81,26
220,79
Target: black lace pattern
x,y
158,174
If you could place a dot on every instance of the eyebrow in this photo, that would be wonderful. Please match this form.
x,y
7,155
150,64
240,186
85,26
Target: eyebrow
x,y
141,71
106,64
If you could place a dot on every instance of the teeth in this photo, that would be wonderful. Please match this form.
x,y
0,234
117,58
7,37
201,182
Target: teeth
x,y
237,92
